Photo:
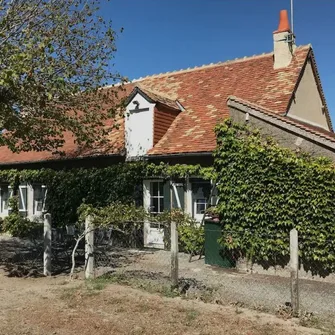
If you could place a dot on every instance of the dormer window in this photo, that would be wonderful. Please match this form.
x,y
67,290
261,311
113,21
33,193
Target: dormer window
x,y
148,117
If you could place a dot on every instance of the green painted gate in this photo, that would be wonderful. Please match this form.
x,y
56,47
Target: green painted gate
x,y
215,254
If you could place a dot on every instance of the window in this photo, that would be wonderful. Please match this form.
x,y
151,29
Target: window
x,y
179,186
200,206
5,194
201,194
156,197
40,192
156,201
23,192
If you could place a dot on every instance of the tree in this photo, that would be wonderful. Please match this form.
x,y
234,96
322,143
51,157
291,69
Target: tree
x,y
55,61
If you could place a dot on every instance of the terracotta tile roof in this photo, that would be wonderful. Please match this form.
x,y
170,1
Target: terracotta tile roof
x,y
319,132
203,92
70,149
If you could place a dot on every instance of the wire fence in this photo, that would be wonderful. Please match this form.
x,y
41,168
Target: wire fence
x,y
24,257
227,278
213,274
121,252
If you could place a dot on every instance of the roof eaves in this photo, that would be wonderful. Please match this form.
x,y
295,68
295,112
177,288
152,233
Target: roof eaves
x,y
153,97
59,159
282,121
181,154
310,56
318,81
134,92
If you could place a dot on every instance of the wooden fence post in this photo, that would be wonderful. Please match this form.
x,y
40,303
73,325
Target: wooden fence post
x,y
89,248
174,254
47,245
294,267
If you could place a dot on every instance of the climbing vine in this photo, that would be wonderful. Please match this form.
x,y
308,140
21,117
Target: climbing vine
x,y
266,190
98,187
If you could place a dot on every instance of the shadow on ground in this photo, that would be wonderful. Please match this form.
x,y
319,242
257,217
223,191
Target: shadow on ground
x,y
24,258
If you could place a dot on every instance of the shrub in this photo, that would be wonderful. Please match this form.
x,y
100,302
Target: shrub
x,y
191,235
18,226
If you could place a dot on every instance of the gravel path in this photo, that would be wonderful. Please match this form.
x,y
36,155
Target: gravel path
x,y
262,292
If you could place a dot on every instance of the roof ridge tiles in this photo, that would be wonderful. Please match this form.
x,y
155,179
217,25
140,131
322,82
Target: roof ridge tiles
x,y
210,65
205,66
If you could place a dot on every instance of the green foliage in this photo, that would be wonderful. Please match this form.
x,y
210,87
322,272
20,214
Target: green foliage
x,y
266,190
116,214
179,171
19,226
55,57
68,189
191,237
125,220
191,234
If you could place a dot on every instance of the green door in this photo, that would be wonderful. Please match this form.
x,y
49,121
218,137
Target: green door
x,y
215,254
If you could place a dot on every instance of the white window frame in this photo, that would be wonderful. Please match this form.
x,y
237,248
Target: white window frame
x,y
35,204
10,194
155,225
24,204
199,217
200,201
158,196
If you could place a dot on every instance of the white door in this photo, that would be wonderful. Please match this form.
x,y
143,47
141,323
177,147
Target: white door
x,y
153,200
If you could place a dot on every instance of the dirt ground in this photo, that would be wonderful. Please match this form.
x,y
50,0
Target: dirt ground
x,y
43,306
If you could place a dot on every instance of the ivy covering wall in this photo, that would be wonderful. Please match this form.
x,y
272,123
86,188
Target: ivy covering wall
x,y
266,190
68,189
99,187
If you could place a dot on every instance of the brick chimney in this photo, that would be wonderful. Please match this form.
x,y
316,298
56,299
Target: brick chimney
x,y
284,42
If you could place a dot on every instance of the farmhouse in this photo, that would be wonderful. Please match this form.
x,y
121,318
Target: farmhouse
x,y
171,117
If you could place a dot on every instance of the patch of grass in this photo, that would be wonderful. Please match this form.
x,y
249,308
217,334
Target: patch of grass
x,y
310,322
139,283
68,293
191,315
63,282
168,292
326,324
96,284
207,296
100,283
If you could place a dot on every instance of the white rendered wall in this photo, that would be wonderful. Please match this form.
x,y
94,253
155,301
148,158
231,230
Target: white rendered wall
x,y
139,122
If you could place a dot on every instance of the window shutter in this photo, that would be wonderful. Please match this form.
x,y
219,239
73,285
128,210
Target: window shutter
x,y
180,186
167,201
44,194
10,194
23,198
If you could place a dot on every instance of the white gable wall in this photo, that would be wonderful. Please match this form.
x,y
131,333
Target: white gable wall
x,y
139,123
307,105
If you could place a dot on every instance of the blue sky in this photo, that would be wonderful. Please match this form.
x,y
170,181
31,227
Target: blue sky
x,y
166,35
